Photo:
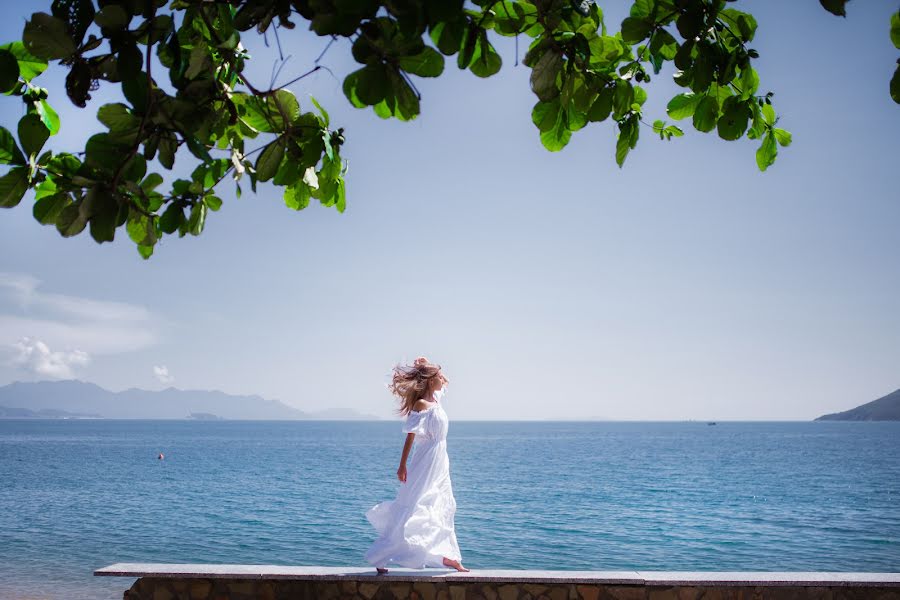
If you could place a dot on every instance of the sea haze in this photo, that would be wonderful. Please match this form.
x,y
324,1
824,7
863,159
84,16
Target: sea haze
x,y
77,495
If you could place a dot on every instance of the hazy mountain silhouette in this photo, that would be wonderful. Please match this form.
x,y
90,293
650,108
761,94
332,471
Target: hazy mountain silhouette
x,y
86,398
886,408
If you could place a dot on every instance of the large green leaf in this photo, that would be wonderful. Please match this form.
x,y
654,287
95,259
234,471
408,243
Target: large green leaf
x,y
123,125
71,221
297,196
30,66
101,151
13,186
46,37
269,160
47,209
734,120
767,152
602,106
427,63
683,106
9,151
103,211
448,36
9,71
706,114
485,61
635,29
32,133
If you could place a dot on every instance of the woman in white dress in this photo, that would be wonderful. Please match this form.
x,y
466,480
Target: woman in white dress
x,y
416,529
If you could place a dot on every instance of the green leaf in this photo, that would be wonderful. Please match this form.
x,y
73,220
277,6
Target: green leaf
x,y
13,186
602,106
269,160
9,151
30,66
895,86
168,145
749,82
835,7
112,17
769,114
557,136
448,36
635,29
895,29
197,220
46,37
71,221
103,152
48,116
628,135
47,209
135,91
9,71
767,152
145,251
103,211
741,23
623,98
151,182
32,133
212,202
130,62
297,196
123,125
172,218
322,111
485,61
706,114
782,136
683,105
141,229
734,120
545,114
544,73
427,63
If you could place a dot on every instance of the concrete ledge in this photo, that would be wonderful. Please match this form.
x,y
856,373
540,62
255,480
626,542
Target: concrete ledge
x,y
603,578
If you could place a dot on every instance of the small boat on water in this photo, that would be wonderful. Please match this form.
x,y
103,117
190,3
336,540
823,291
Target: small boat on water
x,y
712,423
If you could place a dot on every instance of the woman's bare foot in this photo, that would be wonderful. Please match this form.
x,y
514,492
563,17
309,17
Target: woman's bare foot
x,y
381,570
455,564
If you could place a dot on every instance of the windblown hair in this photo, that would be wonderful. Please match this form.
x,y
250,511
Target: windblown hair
x,y
414,382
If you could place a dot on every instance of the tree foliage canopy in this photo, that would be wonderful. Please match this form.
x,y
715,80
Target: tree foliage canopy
x,y
581,73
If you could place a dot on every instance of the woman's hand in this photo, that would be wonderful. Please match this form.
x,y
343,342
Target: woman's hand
x,y
401,473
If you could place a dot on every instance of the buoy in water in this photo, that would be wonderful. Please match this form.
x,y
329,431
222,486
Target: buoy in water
x,y
161,456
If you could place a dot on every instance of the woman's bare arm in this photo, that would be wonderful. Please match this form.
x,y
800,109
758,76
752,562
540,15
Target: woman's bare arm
x,y
407,446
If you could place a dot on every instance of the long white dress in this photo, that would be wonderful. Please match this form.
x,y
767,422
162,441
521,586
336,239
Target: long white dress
x,y
416,529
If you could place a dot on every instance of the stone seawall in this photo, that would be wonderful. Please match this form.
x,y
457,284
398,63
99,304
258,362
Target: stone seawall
x,y
257,582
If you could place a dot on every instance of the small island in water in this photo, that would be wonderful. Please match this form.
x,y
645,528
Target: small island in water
x,y
886,408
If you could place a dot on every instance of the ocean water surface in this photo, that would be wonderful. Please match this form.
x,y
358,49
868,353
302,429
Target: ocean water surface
x,y
78,495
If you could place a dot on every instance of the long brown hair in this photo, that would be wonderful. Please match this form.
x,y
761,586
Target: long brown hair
x,y
412,383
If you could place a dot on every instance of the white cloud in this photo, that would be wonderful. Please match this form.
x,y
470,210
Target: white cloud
x,y
162,373
35,356
66,321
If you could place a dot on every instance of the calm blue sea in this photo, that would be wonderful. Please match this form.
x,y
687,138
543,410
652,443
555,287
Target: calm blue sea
x,y
77,495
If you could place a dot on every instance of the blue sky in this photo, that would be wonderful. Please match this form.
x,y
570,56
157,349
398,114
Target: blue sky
x,y
686,285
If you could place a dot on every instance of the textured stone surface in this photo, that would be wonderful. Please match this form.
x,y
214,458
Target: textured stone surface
x,y
158,588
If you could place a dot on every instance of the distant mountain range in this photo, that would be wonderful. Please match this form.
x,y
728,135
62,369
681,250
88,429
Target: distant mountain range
x,y
78,399
886,408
